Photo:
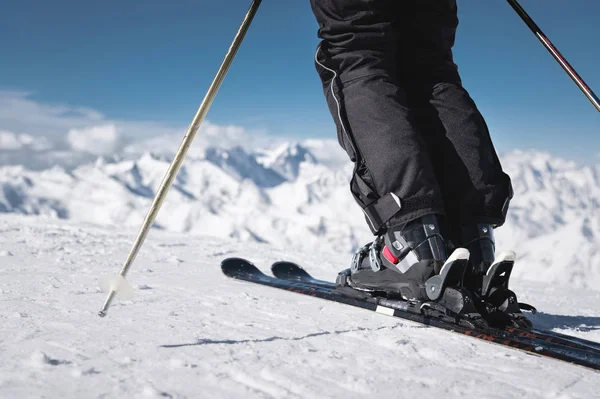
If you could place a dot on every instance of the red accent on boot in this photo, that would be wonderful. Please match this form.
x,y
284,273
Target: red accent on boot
x,y
389,255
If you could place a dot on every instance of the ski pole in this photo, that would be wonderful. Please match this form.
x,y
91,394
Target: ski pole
x,y
118,282
556,54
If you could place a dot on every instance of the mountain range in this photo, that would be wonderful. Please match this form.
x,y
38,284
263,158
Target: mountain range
x,y
294,196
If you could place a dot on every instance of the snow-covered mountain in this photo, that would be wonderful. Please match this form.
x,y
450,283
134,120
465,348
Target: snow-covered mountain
x,y
554,219
295,196
288,159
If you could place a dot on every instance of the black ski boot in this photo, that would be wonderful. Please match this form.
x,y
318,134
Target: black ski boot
x,y
402,260
487,278
410,262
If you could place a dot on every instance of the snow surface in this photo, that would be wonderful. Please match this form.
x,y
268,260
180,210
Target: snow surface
x,y
189,332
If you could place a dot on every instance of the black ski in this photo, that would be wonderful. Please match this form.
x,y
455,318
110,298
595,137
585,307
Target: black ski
x,y
294,272
242,269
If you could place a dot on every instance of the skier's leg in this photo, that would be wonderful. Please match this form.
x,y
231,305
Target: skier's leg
x,y
394,181
357,64
475,189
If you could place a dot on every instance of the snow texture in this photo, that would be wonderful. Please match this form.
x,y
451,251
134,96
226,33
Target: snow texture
x,y
189,332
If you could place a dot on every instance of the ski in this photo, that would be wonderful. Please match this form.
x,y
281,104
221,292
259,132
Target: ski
x,y
244,270
293,272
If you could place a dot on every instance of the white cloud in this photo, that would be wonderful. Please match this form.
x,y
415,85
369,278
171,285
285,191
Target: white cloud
x,y
19,112
86,129
9,141
97,140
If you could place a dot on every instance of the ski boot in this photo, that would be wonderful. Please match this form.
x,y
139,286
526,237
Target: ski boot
x,y
487,278
410,262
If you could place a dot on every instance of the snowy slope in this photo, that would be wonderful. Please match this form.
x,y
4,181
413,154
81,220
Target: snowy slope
x,y
295,196
189,332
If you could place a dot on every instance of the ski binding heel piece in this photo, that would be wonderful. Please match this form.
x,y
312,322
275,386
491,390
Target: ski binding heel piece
x,y
451,274
498,274
456,306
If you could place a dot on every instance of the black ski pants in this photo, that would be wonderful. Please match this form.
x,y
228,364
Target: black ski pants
x,y
417,139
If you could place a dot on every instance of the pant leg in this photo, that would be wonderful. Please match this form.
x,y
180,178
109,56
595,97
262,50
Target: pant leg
x,y
357,64
474,187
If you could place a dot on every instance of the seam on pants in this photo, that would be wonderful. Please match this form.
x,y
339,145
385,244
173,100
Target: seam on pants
x,y
341,120
337,103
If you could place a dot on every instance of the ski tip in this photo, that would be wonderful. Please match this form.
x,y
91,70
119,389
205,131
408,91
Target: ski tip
x,y
285,269
459,254
235,266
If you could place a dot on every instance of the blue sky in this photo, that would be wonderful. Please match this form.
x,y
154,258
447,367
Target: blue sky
x,y
153,61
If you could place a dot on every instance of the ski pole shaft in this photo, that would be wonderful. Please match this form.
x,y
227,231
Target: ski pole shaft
x,y
183,149
556,54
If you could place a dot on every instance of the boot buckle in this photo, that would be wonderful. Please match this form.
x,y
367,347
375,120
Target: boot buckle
x,y
358,257
374,254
